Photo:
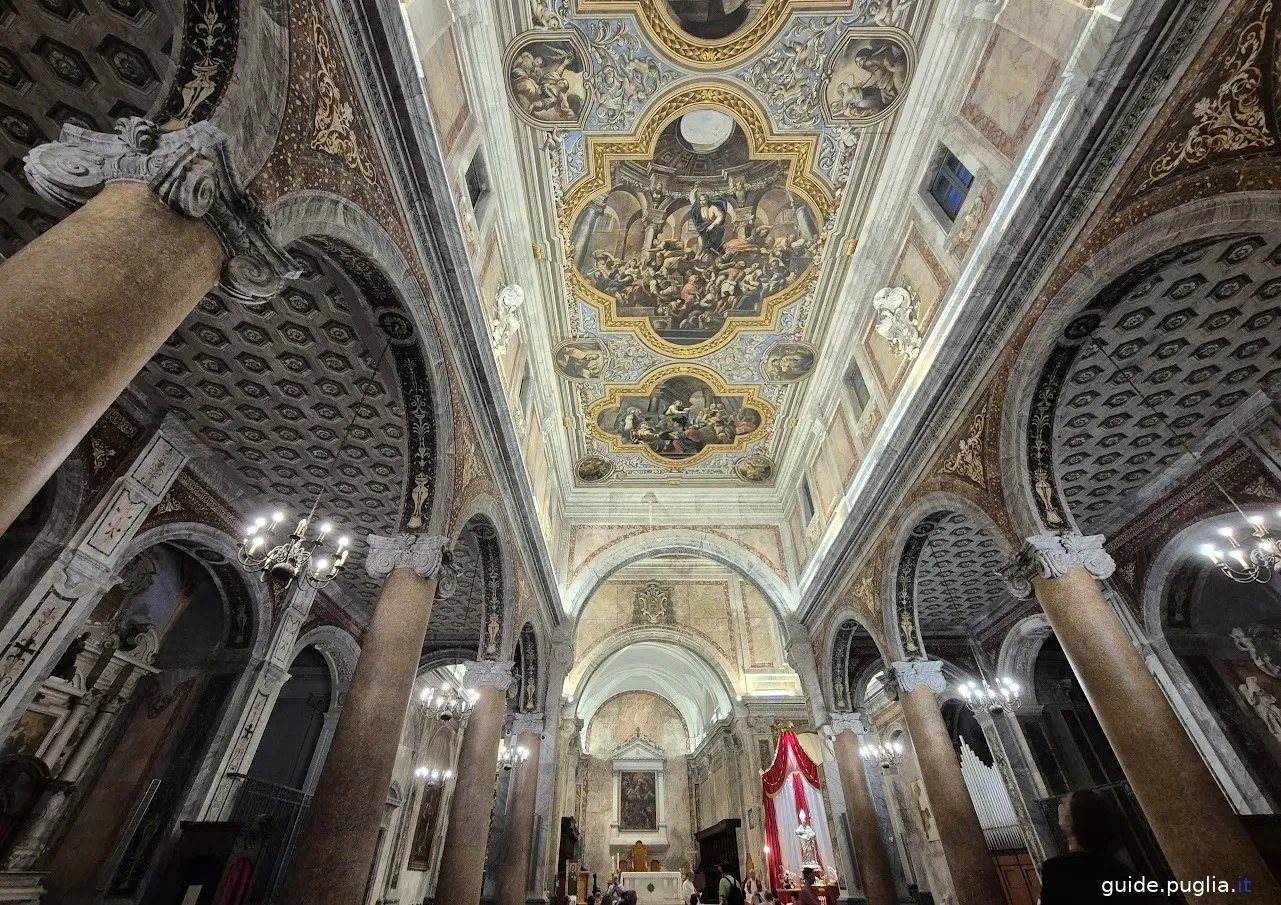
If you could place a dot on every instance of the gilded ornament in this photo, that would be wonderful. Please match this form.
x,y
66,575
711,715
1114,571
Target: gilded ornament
x,y
334,134
967,461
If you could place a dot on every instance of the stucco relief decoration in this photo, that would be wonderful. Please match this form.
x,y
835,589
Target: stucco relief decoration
x,y
548,82
333,130
507,304
1262,644
653,605
895,309
1231,120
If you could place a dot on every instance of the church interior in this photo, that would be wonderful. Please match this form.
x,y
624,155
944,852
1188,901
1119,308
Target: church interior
x,y
521,451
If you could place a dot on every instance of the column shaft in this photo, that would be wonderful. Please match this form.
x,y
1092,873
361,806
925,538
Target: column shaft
x,y
82,309
513,877
969,862
462,867
869,846
1198,831
337,848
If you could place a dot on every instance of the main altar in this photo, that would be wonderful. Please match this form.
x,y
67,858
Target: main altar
x,y
654,887
795,818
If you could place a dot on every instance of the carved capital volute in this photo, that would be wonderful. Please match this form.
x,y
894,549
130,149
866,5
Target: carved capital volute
x,y
527,722
851,721
190,173
912,674
489,674
423,553
1050,556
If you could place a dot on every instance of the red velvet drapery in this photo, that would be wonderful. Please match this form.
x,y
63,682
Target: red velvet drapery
x,y
790,759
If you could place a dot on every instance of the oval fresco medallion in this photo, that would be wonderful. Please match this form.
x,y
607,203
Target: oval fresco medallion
x,y
594,469
755,469
787,361
580,359
868,75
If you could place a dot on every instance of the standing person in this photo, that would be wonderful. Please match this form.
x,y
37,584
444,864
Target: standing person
x,y
1077,878
730,890
809,893
687,886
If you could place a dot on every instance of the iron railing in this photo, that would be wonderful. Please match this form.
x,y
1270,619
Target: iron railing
x,y
287,808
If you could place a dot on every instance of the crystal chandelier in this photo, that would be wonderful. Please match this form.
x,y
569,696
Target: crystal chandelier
x,y
299,557
447,702
983,696
290,559
433,779
885,754
1242,565
511,755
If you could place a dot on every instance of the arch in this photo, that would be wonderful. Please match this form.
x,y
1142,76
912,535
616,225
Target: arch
x,y
1198,220
903,557
836,687
682,541
444,656
1194,712
196,538
532,677
679,687
1019,649
340,650
309,214
859,699
252,108
582,671
486,509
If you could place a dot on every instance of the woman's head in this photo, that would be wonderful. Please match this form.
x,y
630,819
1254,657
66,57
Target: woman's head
x,y
1088,822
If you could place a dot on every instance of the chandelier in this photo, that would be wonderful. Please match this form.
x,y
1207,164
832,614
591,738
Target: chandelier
x,y
511,755
433,779
299,557
447,702
290,559
983,696
885,754
1242,565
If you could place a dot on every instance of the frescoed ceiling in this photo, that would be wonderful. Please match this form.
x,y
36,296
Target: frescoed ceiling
x,y
704,155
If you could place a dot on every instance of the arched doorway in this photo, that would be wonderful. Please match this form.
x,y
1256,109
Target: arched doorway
x,y
276,783
178,633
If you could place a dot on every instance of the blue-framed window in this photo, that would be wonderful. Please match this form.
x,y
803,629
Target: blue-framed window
x,y
951,184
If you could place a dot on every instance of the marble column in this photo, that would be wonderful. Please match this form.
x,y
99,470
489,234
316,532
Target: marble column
x,y
462,867
869,846
83,307
513,877
341,836
1197,829
969,862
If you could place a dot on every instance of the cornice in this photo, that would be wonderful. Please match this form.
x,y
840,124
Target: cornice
x,y
1053,204
379,51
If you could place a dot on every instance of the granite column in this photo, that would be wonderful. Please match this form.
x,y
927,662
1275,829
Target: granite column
x,y
162,219
1195,825
513,877
969,862
462,867
869,846
341,836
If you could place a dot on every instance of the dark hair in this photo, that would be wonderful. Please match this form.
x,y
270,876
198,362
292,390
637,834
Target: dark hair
x,y
693,900
727,869
807,874
1093,821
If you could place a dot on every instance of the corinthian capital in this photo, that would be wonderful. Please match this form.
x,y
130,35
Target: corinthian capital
x,y
848,721
914,673
189,171
1052,555
423,553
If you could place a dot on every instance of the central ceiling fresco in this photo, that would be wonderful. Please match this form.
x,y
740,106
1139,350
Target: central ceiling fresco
x,y
701,153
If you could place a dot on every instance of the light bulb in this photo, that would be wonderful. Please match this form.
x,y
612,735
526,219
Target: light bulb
x,y
321,565
1211,553
325,528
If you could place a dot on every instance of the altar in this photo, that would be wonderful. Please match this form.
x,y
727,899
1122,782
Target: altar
x,y
654,887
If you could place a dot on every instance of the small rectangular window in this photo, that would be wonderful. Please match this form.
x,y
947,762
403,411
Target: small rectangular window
x,y
523,394
807,501
951,184
858,389
477,180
